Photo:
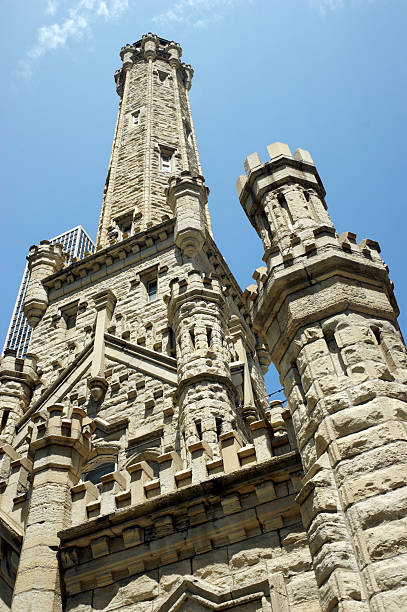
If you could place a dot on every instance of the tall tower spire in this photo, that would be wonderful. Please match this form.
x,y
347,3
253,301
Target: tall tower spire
x,y
154,138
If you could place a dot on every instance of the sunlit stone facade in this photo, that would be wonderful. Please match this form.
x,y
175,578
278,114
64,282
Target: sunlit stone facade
x,y
143,466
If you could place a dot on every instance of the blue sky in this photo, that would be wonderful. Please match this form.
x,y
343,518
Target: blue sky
x,y
324,75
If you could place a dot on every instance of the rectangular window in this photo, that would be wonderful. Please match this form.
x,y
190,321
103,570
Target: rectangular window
x,y
166,161
152,290
135,117
69,313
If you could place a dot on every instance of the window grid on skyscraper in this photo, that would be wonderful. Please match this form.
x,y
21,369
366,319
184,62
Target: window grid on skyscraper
x,y
76,242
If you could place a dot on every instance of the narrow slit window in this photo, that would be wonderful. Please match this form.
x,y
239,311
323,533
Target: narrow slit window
x,y
4,419
135,117
166,161
188,134
192,336
377,335
152,287
298,381
284,205
209,336
218,426
171,341
336,356
198,426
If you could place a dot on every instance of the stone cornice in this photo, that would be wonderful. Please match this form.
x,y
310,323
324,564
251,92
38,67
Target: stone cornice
x,y
112,258
304,273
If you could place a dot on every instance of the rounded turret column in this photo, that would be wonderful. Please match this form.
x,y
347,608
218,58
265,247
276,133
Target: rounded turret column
x,y
43,260
327,312
196,310
187,195
59,447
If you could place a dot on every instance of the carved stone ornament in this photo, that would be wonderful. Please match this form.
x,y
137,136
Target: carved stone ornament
x,y
98,387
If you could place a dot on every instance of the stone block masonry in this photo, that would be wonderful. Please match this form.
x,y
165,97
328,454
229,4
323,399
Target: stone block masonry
x,y
142,465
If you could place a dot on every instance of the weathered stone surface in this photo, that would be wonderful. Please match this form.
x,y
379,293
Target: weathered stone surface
x,y
143,467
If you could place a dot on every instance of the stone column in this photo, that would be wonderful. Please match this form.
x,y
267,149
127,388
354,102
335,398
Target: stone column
x,y
59,448
206,395
149,46
105,302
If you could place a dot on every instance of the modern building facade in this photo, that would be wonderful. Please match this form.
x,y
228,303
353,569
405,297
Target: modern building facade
x,y
76,243
142,466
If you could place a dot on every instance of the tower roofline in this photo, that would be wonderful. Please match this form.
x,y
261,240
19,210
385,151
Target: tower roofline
x,y
162,41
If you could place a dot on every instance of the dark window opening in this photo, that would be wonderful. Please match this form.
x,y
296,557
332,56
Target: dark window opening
x,y
218,426
209,336
198,426
298,382
69,315
192,336
152,287
4,419
171,341
95,475
377,335
284,205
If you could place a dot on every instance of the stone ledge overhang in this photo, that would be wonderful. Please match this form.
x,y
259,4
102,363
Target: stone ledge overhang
x,y
113,258
312,269
213,486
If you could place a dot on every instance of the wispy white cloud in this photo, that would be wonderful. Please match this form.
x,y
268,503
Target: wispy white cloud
x,y
76,22
199,14
52,7
324,6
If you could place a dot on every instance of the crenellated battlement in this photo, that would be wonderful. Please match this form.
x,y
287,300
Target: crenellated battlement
x,y
194,286
18,378
52,427
137,484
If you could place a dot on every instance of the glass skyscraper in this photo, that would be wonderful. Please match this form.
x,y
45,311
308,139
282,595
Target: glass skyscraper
x,y
76,242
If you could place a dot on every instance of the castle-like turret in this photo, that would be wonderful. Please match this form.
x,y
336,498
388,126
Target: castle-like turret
x,y
326,310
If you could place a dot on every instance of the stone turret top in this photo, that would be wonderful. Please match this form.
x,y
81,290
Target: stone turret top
x,y
151,46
